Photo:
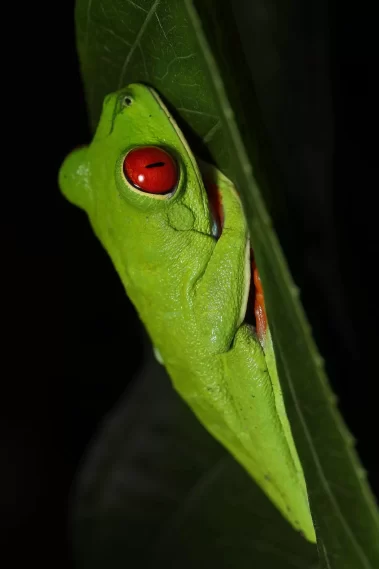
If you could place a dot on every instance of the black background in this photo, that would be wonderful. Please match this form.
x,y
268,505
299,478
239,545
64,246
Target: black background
x,y
63,303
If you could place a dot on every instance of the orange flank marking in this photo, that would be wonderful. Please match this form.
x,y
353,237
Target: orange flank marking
x,y
259,304
214,198
256,297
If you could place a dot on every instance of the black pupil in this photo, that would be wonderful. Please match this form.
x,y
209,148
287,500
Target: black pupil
x,y
155,165
127,101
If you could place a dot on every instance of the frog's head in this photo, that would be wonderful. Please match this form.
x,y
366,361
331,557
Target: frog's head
x,y
137,167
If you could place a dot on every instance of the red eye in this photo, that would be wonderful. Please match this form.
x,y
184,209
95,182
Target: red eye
x,y
151,169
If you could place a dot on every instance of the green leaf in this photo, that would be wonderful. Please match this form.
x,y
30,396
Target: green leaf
x,y
196,65
343,509
123,42
157,490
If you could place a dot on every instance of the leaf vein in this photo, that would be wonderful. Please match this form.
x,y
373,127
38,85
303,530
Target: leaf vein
x,y
136,43
136,6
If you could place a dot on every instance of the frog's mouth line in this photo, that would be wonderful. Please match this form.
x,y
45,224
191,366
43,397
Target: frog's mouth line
x,y
255,312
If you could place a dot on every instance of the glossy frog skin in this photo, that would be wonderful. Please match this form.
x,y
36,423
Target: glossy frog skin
x,y
189,287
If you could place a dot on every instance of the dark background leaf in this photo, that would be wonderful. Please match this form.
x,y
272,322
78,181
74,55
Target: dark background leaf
x,y
158,491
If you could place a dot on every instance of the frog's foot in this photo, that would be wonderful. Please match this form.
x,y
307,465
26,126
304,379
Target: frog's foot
x,y
256,312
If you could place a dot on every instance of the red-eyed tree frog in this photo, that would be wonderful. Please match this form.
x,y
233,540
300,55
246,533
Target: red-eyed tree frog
x,y
184,260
